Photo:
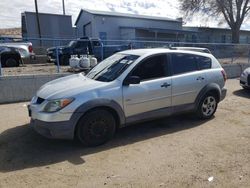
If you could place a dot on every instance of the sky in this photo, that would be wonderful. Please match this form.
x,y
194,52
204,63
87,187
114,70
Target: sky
x,y
10,10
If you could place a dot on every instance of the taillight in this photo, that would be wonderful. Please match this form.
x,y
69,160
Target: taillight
x,y
224,75
30,49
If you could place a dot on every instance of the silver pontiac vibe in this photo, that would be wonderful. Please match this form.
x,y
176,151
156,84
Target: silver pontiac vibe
x,y
128,87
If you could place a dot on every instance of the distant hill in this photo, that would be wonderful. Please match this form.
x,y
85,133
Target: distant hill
x,y
11,32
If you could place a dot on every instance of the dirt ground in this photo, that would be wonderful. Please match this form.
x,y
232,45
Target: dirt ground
x,y
26,69
179,151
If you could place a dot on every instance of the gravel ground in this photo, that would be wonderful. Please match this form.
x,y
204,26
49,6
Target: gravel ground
x,y
179,151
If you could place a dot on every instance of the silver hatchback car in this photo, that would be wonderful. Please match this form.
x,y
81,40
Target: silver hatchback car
x,y
245,79
129,87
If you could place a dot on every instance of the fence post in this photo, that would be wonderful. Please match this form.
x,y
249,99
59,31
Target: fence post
x,y
1,74
248,55
102,51
57,60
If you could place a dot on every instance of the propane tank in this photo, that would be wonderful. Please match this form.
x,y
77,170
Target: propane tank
x,y
73,62
93,61
84,62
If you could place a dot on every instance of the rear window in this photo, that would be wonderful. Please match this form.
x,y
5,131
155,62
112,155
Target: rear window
x,y
204,62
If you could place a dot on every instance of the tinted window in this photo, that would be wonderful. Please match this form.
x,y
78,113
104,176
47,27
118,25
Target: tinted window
x,y
183,63
204,62
153,67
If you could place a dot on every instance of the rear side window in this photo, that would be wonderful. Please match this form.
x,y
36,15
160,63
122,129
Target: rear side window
x,y
182,63
204,62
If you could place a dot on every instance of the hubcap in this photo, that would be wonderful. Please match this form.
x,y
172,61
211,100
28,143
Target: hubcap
x,y
98,128
208,106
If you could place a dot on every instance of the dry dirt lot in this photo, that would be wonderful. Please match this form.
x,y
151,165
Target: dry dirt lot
x,y
179,151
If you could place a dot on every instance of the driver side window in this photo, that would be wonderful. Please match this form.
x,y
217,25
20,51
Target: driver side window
x,y
152,68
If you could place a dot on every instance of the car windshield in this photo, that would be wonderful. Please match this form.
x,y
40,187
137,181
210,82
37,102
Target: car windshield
x,y
72,43
112,67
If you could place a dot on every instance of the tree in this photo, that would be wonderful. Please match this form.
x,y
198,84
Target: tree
x,y
234,11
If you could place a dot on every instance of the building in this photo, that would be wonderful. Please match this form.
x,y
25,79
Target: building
x,y
120,26
52,26
214,35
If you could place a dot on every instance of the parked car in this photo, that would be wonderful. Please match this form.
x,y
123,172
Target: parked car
x,y
129,87
245,79
10,57
83,46
24,48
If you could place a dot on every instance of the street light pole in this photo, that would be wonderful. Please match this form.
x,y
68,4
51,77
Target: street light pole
x,y
38,23
63,7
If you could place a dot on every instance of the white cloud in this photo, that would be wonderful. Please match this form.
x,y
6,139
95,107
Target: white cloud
x,y
10,10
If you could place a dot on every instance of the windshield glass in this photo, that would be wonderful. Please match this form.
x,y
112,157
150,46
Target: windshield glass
x,y
112,67
72,43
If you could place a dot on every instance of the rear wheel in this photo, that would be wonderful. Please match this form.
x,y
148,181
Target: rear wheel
x,y
96,127
11,62
207,106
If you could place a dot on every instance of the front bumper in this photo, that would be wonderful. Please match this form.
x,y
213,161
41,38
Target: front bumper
x,y
52,125
54,130
245,81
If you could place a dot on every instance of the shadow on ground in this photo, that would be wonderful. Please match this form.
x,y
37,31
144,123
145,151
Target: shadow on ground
x,y
22,148
242,93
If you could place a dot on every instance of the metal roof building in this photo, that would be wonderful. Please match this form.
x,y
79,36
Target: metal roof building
x,y
113,25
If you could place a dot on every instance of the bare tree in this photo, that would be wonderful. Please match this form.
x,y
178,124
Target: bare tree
x,y
233,11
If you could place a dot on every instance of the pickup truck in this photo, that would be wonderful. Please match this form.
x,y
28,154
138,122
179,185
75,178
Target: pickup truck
x,y
9,57
83,46
24,48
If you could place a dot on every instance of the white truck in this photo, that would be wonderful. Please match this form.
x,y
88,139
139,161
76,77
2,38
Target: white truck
x,y
24,48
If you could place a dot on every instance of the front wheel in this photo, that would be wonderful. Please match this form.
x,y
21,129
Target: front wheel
x,y
207,107
96,128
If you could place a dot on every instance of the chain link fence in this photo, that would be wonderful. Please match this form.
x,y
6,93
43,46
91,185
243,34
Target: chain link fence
x,y
52,55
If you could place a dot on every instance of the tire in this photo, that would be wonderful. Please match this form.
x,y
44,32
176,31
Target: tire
x,y
246,88
10,62
207,106
96,128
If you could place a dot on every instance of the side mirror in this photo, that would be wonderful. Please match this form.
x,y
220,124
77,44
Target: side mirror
x,y
132,80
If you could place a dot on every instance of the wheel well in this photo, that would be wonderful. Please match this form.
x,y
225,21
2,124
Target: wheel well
x,y
111,110
215,93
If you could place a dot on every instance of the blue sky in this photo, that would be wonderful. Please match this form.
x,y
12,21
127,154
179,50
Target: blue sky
x,y
10,10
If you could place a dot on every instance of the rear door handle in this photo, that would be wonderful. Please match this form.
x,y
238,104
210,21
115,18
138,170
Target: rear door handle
x,y
165,85
200,78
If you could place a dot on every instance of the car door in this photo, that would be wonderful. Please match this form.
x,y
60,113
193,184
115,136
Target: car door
x,y
153,92
187,79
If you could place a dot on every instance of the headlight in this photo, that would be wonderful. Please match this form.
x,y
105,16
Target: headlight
x,y
56,105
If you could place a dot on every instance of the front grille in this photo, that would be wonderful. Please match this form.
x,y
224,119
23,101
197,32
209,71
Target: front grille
x,y
248,80
40,100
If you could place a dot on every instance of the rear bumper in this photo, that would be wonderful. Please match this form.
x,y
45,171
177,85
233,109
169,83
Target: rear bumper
x,y
223,94
54,130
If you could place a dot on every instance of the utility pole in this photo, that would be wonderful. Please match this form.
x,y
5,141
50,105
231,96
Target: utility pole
x,y
38,23
63,7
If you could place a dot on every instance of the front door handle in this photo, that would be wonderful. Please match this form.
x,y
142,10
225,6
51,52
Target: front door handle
x,y
165,85
200,78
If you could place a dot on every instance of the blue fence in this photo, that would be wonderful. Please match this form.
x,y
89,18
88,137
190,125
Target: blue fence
x,y
225,53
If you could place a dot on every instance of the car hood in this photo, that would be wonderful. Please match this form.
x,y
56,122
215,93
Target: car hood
x,y
68,86
247,70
